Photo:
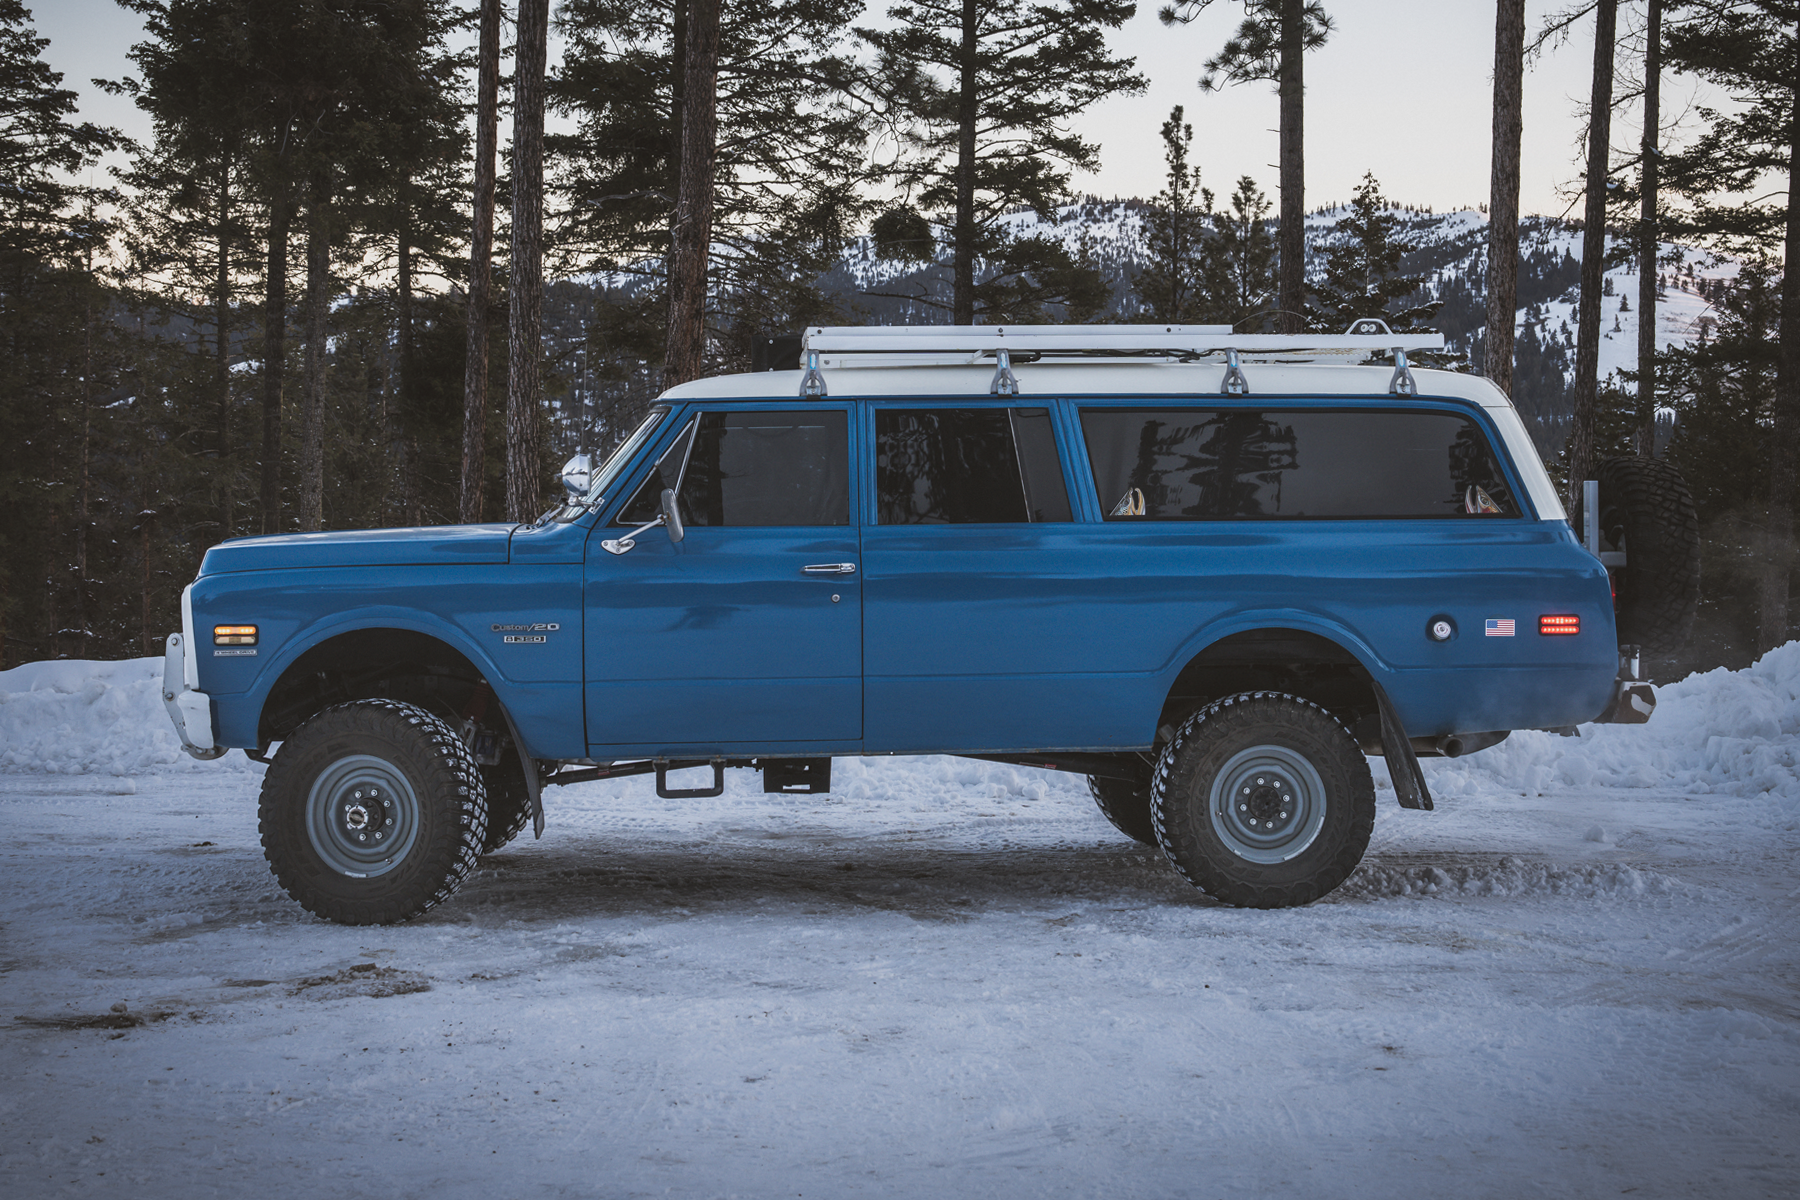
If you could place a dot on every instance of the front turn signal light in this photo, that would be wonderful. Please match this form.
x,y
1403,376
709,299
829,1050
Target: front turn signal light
x,y
1559,625
234,635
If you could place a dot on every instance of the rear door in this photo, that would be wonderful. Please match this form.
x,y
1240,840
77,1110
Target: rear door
x,y
978,594
747,634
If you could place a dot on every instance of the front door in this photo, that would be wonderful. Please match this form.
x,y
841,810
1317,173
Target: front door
x,y
747,635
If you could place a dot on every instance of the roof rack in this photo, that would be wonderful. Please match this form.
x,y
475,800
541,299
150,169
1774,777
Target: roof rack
x,y
847,346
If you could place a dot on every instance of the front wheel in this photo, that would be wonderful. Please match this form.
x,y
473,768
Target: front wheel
x,y
372,812
1263,800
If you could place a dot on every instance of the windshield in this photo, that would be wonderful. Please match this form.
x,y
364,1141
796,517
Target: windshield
x,y
615,462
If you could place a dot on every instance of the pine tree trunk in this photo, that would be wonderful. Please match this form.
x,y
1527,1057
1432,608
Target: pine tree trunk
x,y
481,265
80,623
1503,193
274,362
312,393
1647,235
691,236
222,354
1780,558
1593,254
962,238
408,386
524,343
1292,88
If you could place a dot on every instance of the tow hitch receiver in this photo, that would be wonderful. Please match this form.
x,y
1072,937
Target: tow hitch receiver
x,y
1633,699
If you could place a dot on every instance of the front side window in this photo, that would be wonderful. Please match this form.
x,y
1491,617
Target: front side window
x,y
755,469
965,466
1222,464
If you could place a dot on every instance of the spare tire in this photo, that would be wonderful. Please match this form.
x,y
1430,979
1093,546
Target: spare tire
x,y
1647,511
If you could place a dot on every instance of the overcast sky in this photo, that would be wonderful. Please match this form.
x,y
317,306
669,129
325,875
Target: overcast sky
x,y
1402,89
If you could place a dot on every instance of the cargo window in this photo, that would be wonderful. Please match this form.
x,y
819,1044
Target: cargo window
x,y
961,466
758,469
1213,464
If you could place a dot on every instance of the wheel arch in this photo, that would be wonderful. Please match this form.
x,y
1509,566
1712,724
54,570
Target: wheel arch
x,y
1327,666
362,661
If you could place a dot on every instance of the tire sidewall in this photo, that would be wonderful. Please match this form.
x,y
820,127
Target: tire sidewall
x,y
1206,743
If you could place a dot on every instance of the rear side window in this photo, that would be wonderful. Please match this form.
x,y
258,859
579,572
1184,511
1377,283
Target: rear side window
x,y
757,469
962,466
1224,464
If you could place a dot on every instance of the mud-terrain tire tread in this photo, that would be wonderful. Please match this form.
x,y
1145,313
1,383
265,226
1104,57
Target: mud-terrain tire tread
x,y
1179,798
1126,804
508,803
452,801
1659,591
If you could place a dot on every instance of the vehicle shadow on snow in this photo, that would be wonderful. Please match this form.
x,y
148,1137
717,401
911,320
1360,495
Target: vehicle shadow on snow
x,y
926,883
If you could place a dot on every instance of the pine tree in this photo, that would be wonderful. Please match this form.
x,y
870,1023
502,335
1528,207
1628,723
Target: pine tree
x,y
481,258
1245,257
1363,275
524,395
1503,192
51,308
1580,453
984,91
1178,283
787,158
1270,46
1740,174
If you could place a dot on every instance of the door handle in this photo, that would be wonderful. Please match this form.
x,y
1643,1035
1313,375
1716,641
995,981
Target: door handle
x,y
829,569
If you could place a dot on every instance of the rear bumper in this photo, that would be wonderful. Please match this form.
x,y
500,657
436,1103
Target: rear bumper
x,y
1633,699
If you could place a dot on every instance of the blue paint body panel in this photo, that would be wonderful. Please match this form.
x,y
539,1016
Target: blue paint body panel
x,y
971,638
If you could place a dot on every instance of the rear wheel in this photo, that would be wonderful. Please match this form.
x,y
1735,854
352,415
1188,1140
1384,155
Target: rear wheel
x,y
372,812
1646,510
1263,800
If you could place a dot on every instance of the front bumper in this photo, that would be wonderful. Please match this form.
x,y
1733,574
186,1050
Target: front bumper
x,y
189,707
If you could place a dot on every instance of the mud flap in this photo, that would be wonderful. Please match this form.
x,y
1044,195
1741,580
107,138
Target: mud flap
x,y
1403,764
534,785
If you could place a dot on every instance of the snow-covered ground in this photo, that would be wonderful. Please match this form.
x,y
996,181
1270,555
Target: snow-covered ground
x,y
947,978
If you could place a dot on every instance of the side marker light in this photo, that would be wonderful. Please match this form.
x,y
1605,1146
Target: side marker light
x,y
234,635
1549,625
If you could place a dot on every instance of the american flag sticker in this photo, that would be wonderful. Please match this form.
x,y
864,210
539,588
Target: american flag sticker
x,y
1500,627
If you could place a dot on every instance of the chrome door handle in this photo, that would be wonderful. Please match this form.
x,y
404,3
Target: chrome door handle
x,y
830,569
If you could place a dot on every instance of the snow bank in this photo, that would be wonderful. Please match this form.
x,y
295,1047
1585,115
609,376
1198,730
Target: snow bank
x,y
1723,732
77,717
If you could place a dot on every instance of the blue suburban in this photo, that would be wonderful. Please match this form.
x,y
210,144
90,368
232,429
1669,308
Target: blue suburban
x,y
1210,583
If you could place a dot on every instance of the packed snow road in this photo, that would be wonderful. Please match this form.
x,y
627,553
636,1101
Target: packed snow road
x,y
1577,978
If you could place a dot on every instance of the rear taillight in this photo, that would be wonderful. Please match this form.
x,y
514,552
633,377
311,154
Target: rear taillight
x,y
1549,625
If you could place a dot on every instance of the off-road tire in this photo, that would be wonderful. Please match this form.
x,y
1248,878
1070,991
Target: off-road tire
x,y
1220,748
1648,502
508,803
1126,803
308,818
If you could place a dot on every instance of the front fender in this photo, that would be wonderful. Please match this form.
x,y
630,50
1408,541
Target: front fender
x,y
539,683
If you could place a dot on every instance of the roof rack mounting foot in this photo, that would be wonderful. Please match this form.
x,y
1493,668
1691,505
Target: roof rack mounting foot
x,y
1005,382
1235,384
812,384
1403,383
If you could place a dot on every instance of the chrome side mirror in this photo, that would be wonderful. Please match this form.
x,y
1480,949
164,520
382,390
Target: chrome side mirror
x,y
671,519
577,474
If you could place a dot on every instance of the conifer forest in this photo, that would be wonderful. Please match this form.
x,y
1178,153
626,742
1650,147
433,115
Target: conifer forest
x,y
383,264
